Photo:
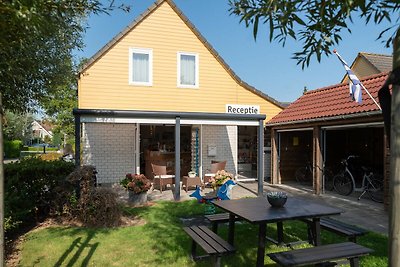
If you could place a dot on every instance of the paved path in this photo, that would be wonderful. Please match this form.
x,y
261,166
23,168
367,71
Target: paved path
x,y
364,213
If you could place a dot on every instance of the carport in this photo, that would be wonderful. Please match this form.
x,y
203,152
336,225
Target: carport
x,y
324,126
101,131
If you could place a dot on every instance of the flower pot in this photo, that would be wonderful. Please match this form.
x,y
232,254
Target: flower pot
x,y
137,199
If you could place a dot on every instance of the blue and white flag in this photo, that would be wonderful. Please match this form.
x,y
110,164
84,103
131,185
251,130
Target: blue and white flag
x,y
354,83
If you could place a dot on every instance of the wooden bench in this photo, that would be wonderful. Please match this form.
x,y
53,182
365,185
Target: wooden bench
x,y
321,254
337,227
218,218
210,242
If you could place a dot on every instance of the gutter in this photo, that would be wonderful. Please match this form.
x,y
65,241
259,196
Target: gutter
x,y
328,119
162,114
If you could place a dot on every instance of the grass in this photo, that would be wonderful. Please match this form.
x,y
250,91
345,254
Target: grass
x,y
162,242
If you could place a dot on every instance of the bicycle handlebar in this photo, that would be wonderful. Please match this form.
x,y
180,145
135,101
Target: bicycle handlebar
x,y
345,161
352,157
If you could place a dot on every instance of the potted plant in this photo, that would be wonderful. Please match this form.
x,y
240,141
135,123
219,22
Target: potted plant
x,y
220,178
137,186
192,174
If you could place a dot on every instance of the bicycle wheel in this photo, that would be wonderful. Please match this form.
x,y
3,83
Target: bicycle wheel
x,y
302,175
342,184
328,177
375,189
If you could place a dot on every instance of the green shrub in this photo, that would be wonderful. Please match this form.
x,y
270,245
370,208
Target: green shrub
x,y
13,148
30,188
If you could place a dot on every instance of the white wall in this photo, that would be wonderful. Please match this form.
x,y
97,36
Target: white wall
x,y
110,148
225,140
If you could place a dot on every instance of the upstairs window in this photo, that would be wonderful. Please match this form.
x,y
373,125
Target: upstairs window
x,y
140,66
188,70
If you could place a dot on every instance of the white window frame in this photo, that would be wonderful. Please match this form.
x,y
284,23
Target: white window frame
x,y
196,55
147,51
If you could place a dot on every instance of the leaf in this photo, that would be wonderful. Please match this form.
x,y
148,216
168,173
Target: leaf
x,y
298,20
255,27
271,28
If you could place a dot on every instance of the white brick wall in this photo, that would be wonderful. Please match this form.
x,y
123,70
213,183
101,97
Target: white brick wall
x,y
225,139
110,148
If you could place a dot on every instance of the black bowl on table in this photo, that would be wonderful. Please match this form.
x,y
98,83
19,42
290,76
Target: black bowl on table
x,y
277,199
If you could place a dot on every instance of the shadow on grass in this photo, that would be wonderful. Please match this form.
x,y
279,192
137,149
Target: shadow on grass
x,y
78,246
162,241
166,226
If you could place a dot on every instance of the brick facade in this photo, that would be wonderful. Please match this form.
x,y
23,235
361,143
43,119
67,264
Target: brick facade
x,y
225,139
110,148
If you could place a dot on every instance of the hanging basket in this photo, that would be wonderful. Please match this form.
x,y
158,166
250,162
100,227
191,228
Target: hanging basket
x,y
137,199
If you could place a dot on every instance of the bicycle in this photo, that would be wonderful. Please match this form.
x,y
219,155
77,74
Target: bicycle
x,y
304,176
344,182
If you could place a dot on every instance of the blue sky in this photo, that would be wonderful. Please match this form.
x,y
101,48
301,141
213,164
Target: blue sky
x,y
264,65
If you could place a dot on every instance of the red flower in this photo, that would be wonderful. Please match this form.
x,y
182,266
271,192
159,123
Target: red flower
x,y
137,183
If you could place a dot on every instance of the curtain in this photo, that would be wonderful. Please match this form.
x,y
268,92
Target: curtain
x,y
188,70
140,68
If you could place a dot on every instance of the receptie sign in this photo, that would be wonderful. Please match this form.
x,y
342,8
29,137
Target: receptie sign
x,y
242,109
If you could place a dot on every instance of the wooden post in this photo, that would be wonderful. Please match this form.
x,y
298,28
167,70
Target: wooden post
x,y
1,184
274,158
394,205
317,160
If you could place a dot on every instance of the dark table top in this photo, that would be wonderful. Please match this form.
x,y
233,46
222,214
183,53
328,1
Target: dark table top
x,y
258,210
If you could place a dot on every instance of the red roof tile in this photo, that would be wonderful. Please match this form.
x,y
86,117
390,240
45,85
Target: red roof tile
x,y
330,102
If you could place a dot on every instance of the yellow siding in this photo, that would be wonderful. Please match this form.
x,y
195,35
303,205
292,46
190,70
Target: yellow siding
x,y
104,85
364,68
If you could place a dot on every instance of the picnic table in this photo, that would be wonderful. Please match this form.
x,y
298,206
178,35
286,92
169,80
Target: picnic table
x,y
258,211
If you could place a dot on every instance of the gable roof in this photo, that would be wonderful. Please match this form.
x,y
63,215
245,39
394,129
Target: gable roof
x,y
44,126
379,62
382,63
330,103
144,15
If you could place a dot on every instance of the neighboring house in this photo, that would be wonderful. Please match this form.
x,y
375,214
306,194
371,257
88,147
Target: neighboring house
x,y
367,64
41,129
158,81
324,126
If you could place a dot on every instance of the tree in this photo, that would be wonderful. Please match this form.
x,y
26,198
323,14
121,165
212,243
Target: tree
x,y
36,42
59,105
318,24
17,126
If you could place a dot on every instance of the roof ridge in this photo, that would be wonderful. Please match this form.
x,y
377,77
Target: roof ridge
x,y
121,34
193,28
331,103
370,77
375,54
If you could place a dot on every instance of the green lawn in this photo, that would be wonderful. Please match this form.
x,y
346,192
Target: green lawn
x,y
162,242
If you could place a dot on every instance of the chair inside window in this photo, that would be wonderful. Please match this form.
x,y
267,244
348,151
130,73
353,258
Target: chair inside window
x,y
161,178
215,166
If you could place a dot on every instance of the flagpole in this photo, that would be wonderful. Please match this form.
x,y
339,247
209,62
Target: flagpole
x,y
353,78
373,99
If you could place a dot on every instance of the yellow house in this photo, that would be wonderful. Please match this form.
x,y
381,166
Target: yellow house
x,y
159,92
367,64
